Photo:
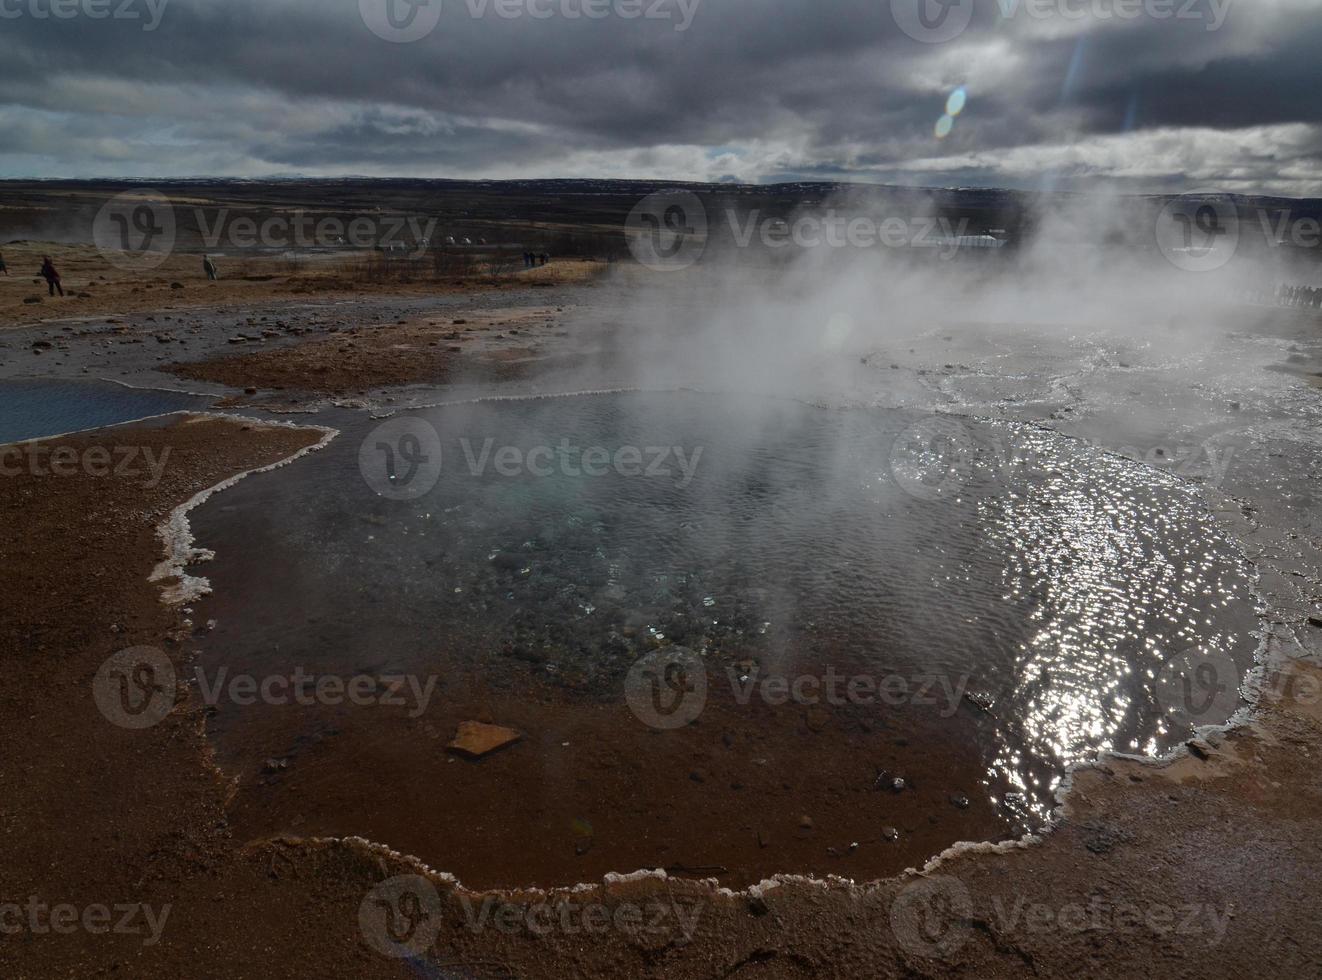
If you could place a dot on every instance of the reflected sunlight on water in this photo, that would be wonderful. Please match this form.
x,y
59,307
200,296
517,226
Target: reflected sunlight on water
x,y
1053,578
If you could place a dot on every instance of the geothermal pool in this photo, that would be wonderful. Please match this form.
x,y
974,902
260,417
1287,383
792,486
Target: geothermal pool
x,y
1039,585
36,409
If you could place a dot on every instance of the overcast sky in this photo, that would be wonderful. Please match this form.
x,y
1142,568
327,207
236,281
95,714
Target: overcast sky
x,y
1149,94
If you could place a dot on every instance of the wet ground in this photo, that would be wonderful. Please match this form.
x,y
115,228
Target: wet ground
x,y
149,349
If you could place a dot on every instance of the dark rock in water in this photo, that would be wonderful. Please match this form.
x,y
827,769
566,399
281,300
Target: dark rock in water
x,y
757,905
980,700
805,822
1199,749
698,775
888,781
1315,620
960,800
275,765
507,562
763,839
890,834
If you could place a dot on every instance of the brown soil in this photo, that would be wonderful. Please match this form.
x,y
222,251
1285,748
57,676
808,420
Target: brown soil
x,y
490,346
1211,861
96,287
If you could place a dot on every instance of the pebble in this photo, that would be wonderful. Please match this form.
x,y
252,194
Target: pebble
x,y
1199,749
886,780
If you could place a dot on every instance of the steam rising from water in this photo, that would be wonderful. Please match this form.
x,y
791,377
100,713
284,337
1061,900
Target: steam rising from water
x,y
1060,579
794,320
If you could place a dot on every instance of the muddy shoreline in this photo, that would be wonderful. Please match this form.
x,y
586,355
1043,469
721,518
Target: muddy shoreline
x,y
1223,839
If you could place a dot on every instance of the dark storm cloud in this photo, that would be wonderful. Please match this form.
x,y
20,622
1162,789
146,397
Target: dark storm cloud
x,y
755,88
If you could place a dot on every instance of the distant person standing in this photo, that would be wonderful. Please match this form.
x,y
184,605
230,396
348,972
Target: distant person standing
x,y
51,275
209,268
3,268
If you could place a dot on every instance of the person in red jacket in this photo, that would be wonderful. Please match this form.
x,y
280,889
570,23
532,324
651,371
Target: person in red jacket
x,y
52,277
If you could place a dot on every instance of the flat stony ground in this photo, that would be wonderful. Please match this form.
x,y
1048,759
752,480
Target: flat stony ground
x,y
96,288
1204,866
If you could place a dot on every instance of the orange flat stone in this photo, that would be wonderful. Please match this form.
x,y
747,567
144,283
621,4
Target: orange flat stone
x,y
474,739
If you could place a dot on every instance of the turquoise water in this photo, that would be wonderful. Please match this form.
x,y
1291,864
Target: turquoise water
x,y
35,409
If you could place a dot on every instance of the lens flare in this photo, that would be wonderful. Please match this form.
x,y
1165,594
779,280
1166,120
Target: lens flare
x,y
943,126
955,104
